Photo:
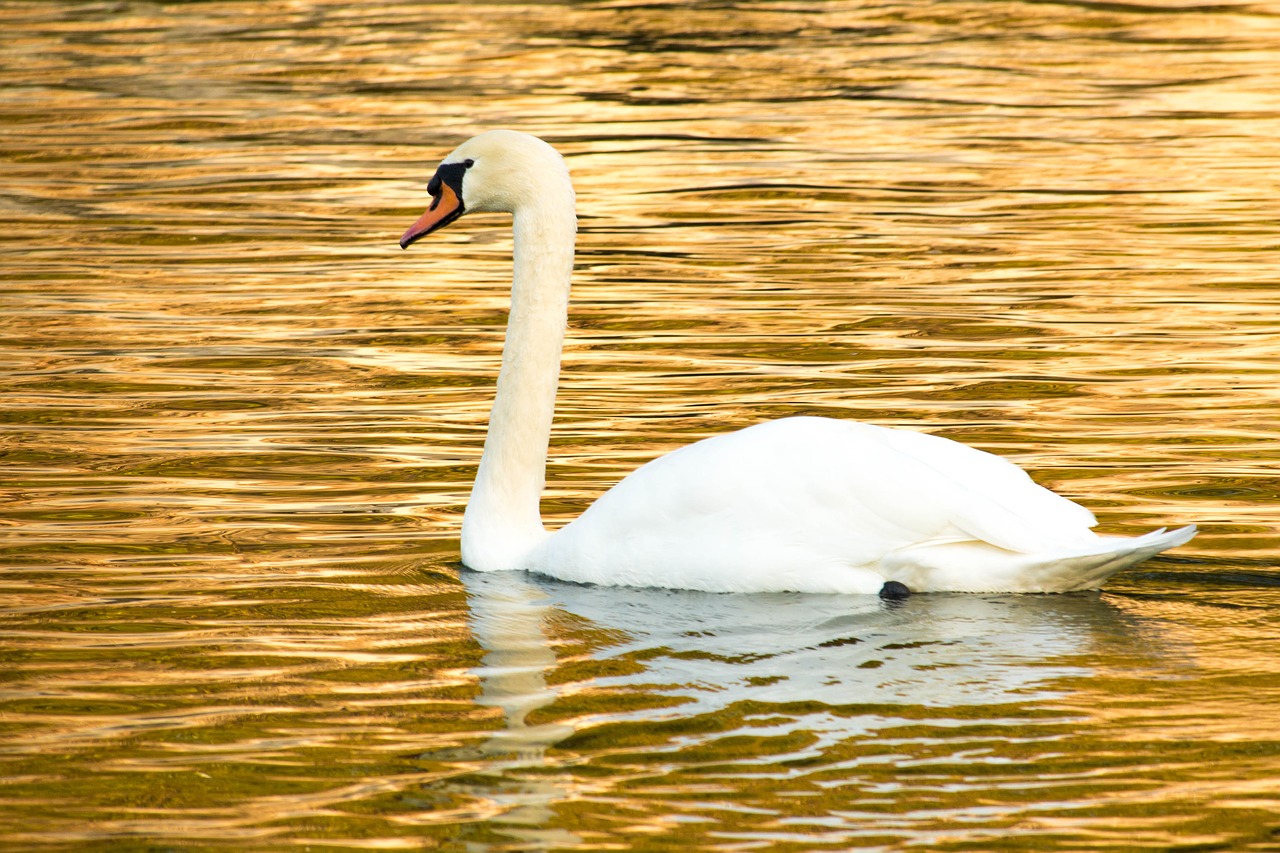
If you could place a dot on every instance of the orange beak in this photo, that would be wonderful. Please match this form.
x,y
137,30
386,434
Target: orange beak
x,y
444,208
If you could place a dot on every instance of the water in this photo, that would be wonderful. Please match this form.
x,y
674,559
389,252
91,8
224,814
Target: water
x,y
240,424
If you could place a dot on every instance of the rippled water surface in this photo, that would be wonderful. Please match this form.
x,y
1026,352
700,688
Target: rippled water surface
x,y
239,424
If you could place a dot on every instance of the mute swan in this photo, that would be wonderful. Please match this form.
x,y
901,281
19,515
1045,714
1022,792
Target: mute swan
x,y
801,504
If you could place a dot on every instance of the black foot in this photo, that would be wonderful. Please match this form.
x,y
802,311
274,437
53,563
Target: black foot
x,y
894,591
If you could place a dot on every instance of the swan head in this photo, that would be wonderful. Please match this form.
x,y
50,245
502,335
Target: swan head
x,y
498,171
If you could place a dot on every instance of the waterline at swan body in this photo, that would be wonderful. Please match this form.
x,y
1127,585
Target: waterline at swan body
x,y
798,504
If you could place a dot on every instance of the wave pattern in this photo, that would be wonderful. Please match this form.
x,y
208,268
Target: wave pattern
x,y
239,425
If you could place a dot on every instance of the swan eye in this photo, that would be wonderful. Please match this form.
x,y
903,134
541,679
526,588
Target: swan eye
x,y
468,162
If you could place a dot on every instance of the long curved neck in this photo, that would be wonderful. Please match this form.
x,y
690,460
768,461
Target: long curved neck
x,y
503,521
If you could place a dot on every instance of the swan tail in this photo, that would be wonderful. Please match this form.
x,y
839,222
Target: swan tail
x,y
973,566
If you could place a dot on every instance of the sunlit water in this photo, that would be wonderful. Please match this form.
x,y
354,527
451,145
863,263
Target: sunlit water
x,y
240,424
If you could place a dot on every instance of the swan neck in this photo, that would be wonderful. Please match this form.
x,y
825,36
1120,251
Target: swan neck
x,y
503,520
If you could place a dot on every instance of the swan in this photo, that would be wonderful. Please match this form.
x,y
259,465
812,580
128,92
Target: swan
x,y
800,504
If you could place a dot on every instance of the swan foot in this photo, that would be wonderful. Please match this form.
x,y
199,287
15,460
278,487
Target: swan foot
x,y
894,591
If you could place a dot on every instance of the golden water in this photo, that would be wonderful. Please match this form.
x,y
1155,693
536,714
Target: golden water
x,y
239,424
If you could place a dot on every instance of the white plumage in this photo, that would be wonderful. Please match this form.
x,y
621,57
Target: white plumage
x,y
799,504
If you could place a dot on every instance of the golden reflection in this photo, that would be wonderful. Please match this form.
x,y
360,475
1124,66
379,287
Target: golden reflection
x,y
239,427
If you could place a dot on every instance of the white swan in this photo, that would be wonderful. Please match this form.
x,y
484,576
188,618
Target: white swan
x,y
800,504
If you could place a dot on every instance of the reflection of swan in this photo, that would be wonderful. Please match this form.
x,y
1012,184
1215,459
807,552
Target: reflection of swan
x,y
805,504
509,622
843,662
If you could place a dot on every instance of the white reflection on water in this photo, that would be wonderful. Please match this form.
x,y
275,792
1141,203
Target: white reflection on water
x,y
931,650
849,660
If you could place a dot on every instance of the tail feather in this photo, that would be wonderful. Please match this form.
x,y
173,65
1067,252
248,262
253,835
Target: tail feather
x,y
980,567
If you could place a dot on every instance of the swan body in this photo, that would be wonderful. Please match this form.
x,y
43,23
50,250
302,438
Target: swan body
x,y
800,504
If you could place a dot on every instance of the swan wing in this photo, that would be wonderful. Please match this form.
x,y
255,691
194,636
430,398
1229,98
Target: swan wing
x,y
812,504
